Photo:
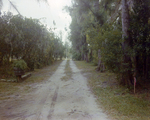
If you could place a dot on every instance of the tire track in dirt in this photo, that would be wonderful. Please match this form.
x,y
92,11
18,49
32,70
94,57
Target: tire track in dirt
x,y
47,96
59,99
75,101
50,94
42,103
54,98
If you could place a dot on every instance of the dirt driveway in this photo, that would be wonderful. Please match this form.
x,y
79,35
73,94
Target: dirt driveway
x,y
57,99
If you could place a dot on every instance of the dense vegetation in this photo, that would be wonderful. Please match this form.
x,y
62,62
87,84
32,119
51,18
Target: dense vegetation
x,y
113,34
29,40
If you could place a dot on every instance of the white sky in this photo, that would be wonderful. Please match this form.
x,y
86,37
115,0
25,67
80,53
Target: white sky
x,y
49,12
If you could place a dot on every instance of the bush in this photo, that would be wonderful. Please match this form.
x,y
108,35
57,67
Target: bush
x,y
76,56
112,51
20,64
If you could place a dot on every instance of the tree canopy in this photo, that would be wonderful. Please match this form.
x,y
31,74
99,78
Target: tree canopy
x,y
27,39
114,34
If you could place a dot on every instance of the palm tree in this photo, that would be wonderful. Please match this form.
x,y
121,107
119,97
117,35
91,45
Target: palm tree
x,y
1,4
11,3
14,6
127,76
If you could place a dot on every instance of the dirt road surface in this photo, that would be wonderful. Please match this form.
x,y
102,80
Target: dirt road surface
x,y
57,99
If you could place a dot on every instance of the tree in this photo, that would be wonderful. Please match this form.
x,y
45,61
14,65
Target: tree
x,y
127,74
27,39
14,6
140,38
79,14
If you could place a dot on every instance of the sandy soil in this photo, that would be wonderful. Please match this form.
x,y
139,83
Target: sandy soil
x,y
55,99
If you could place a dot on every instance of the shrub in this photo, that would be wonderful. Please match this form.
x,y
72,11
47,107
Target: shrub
x,y
20,64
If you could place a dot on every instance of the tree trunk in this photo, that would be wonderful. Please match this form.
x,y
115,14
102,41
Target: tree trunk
x,y
96,6
99,60
126,75
125,22
87,57
1,59
91,55
141,17
147,68
84,57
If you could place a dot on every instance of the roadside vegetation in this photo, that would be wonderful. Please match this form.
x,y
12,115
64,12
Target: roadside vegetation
x,y
27,40
114,35
119,102
9,90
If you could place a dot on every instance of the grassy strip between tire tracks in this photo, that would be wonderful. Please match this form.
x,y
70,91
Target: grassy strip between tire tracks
x,y
68,72
117,101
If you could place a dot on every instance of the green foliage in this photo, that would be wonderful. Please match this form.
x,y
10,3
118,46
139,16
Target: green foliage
x,y
95,57
67,53
20,64
109,41
59,50
76,56
140,39
27,39
112,50
96,25
77,26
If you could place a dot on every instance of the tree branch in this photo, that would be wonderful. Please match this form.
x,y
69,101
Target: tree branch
x,y
14,7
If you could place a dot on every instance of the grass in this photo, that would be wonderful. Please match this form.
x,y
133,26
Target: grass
x,y
68,72
117,101
39,75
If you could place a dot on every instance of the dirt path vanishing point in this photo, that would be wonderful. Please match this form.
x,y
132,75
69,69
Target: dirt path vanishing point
x,y
58,99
